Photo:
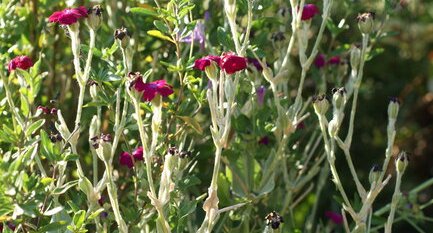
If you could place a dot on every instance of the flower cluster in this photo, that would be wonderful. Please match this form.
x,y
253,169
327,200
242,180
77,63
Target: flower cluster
x,y
68,16
229,62
46,110
21,62
127,159
150,90
321,61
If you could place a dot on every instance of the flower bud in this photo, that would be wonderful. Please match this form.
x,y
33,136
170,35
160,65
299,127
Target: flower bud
x,y
355,57
94,92
212,70
393,107
122,36
63,128
94,17
320,104
268,74
401,162
339,98
374,173
103,147
229,88
261,91
366,22
333,127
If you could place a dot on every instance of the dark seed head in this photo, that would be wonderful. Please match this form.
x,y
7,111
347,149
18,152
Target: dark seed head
x,y
274,220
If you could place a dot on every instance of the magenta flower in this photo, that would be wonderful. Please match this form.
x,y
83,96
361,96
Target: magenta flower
x,y
101,200
264,141
150,90
334,217
68,16
320,62
138,153
125,159
261,91
231,63
335,60
45,110
22,62
300,125
202,63
309,11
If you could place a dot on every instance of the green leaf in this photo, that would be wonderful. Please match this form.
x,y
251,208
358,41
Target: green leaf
x,y
34,126
46,180
185,10
27,209
161,26
95,214
191,122
47,148
71,157
24,101
65,187
224,38
53,211
185,209
79,218
143,11
52,226
160,35
96,51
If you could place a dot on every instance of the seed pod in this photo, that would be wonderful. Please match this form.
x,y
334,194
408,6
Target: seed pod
x,y
393,107
355,57
94,17
374,173
401,162
122,35
320,104
339,98
366,22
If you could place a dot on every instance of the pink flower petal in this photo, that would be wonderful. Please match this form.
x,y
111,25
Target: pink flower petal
x,y
125,159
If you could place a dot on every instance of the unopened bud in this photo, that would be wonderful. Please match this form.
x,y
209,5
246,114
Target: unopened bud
x,y
103,147
333,127
355,57
122,36
94,92
339,98
374,173
212,70
94,17
320,104
401,162
393,107
267,73
366,22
